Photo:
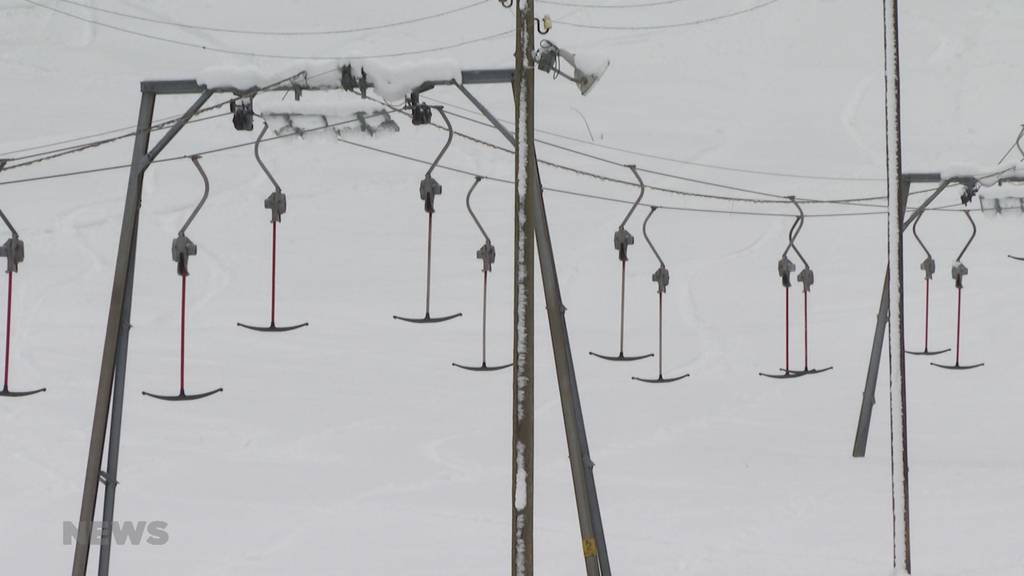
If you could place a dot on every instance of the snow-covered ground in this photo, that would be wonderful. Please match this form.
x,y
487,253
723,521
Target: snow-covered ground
x,y
354,447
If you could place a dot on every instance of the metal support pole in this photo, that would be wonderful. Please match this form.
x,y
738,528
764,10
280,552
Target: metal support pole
x,y
115,345
595,551
897,346
117,409
523,316
860,442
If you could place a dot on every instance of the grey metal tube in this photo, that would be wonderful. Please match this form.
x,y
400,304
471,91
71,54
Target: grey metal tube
x,y
118,299
648,238
638,198
202,201
116,412
14,233
472,214
451,135
259,160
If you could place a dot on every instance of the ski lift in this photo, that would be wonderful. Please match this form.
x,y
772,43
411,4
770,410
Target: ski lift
x,y
660,277
14,251
429,190
277,203
486,255
181,249
806,278
928,267
622,240
959,271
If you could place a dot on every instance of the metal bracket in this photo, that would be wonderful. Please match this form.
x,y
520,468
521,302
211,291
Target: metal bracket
x,y
13,249
241,108
106,479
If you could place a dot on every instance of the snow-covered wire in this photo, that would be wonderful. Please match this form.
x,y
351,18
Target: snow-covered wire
x,y
238,31
102,24
668,26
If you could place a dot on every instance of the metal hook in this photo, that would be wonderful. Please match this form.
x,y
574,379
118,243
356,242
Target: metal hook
x,y
506,3
206,194
795,230
259,139
1017,143
543,25
470,209
14,233
806,276
928,266
648,238
451,135
974,232
638,198
660,275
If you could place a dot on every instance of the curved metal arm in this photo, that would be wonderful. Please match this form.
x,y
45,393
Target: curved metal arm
x,y
451,135
14,233
206,194
918,238
1017,143
638,198
974,232
470,208
259,139
795,231
648,238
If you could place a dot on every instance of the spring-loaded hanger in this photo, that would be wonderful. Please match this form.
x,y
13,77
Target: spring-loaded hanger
x,y
14,251
277,203
928,267
959,271
660,277
181,249
487,255
622,241
806,278
429,190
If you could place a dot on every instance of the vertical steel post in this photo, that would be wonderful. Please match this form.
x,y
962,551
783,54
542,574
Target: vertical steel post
x,y
523,339
897,345
595,551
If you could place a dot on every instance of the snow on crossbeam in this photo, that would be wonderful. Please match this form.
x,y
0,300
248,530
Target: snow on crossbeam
x,y
984,176
389,81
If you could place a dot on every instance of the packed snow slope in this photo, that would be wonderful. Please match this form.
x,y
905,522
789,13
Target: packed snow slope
x,y
353,446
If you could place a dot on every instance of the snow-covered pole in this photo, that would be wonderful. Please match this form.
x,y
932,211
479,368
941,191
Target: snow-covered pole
x,y
897,374
522,370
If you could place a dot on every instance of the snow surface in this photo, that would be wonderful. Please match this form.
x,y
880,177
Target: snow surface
x,y
352,446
